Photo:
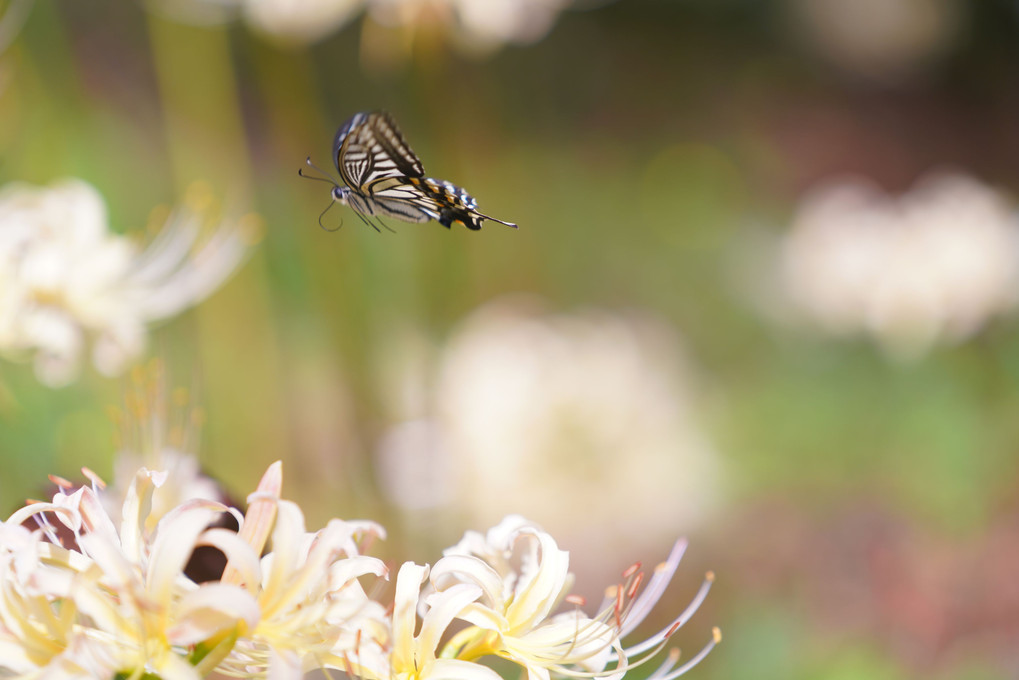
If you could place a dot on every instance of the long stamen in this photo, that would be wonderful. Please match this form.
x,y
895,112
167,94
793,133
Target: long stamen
x,y
663,573
679,621
716,638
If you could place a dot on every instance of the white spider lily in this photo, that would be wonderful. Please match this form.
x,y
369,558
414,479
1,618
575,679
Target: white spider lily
x,y
414,656
32,638
66,280
314,612
522,395
124,602
512,617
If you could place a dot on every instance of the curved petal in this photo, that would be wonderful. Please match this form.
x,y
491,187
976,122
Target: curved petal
x,y
240,555
176,535
408,588
209,609
449,605
469,569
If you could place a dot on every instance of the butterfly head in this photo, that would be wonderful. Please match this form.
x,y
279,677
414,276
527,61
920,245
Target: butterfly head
x,y
340,194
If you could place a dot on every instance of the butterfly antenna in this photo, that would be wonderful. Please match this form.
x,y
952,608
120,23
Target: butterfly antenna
x,y
318,179
323,214
327,177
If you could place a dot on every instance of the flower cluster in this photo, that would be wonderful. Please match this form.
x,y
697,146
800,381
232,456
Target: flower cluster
x,y
66,279
473,25
933,265
83,597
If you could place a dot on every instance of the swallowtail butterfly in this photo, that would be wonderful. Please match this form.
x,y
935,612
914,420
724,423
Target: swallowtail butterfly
x,y
384,178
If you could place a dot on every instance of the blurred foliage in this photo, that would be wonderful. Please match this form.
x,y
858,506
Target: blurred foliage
x,y
639,146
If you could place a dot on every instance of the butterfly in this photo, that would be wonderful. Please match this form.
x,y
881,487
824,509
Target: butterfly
x,y
383,177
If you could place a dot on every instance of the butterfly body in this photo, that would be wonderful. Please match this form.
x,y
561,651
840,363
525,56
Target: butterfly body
x,y
384,177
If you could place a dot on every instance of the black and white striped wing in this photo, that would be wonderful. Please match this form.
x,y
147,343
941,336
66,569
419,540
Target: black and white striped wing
x,y
369,149
416,200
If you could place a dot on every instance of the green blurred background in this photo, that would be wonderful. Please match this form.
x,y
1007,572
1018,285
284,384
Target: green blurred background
x,y
867,524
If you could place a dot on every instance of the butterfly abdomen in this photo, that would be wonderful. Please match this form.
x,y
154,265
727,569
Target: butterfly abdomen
x,y
456,205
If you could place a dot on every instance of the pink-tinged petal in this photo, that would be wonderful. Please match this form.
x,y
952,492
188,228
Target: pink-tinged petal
x,y
408,588
132,522
210,609
455,669
259,518
93,517
176,535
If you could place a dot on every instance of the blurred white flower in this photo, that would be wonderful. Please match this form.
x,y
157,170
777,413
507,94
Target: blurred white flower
x,y
559,412
287,21
12,18
934,265
65,278
157,429
300,20
475,25
480,25
882,40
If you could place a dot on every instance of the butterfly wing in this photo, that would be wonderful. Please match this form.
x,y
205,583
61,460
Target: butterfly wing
x,y
369,148
386,178
439,200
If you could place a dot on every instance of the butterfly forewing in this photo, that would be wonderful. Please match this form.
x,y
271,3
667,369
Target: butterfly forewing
x,y
369,148
395,146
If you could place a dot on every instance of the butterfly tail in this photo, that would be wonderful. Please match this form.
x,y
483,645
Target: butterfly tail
x,y
495,219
